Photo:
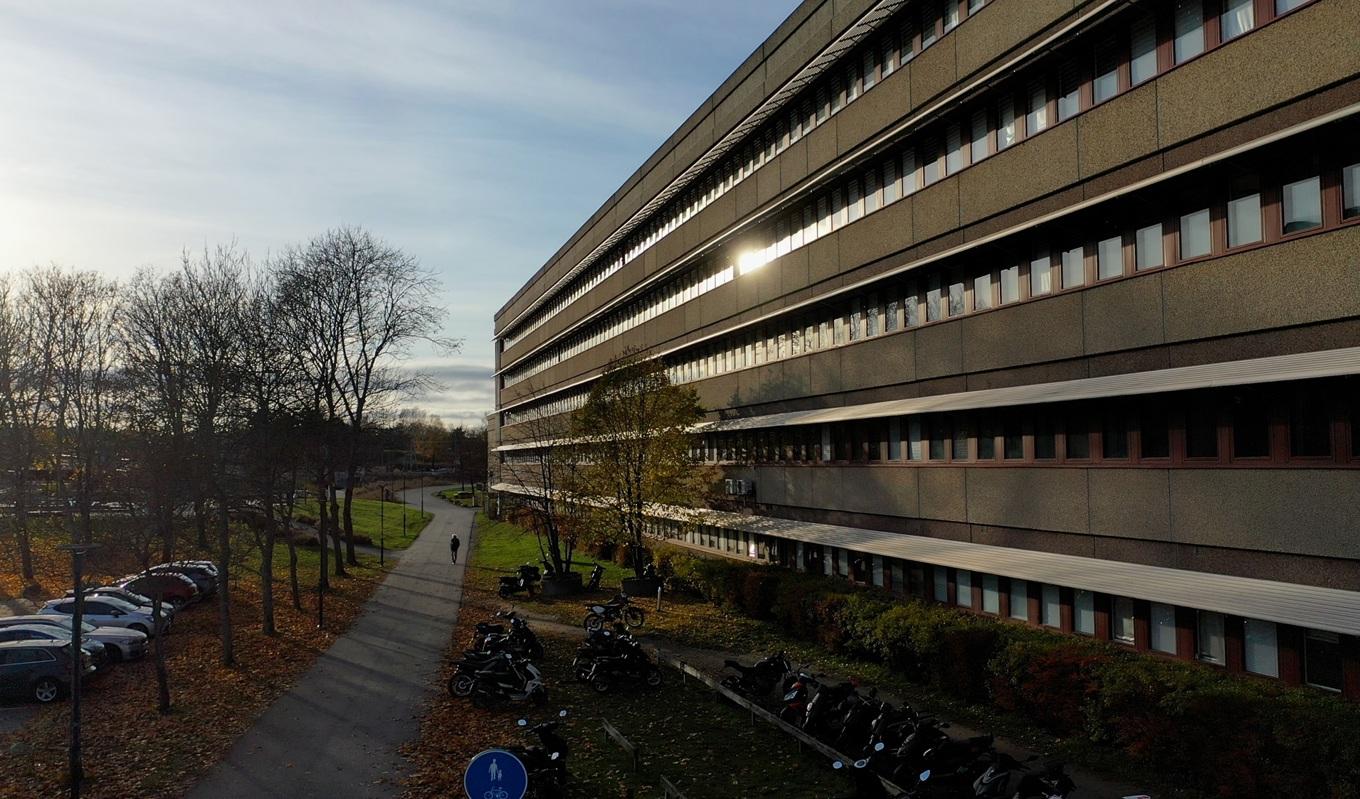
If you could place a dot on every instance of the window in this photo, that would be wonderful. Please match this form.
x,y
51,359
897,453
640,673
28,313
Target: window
x,y
1310,428
1154,436
941,578
1201,431
1020,600
980,144
1073,267
1122,620
1084,612
915,448
1052,607
939,438
963,588
1109,258
1148,246
1078,439
1013,436
1322,660
928,23
1302,205
982,292
1189,40
1005,128
1262,653
1040,276
1163,628
959,447
1106,82
956,298
1350,191
1143,50
1238,17
953,149
991,594
1251,427
986,440
1285,6
1210,646
1045,439
1036,116
933,298
930,165
1195,239
1010,284
951,15
1069,91
1115,436
1244,220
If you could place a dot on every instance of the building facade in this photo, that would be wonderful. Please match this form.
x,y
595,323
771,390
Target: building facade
x,y
1049,309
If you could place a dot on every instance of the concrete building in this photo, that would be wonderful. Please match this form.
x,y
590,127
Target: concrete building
x,y
1049,309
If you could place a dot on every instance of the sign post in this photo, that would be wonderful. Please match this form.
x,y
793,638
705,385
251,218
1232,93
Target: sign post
x,y
496,774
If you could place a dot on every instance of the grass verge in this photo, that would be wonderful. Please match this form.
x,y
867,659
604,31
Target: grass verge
x,y
377,520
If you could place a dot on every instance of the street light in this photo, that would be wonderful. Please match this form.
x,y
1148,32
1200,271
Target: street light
x,y
77,662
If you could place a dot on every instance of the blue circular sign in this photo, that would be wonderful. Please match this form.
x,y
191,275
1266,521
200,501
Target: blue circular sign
x,y
496,774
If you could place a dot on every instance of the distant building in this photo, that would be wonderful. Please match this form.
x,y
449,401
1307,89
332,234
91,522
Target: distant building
x,y
1049,309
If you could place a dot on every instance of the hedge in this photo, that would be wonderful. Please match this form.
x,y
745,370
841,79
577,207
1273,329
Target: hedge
x,y
1223,735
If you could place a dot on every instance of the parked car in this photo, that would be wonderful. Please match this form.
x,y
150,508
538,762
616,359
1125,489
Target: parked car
x,y
131,597
39,670
99,654
105,612
174,588
122,644
205,581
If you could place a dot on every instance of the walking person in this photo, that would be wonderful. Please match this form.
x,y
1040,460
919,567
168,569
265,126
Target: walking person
x,y
453,546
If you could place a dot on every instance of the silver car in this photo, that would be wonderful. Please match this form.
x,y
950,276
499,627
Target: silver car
x,y
130,597
103,612
121,643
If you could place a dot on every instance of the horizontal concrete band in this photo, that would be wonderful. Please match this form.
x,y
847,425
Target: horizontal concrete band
x,y
1328,609
1274,369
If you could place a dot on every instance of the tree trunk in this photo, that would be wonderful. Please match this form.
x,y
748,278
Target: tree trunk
x,y
351,458
224,580
162,676
21,526
322,532
201,520
292,570
335,531
267,569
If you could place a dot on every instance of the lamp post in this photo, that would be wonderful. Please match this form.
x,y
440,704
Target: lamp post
x,y
321,578
403,506
77,662
382,528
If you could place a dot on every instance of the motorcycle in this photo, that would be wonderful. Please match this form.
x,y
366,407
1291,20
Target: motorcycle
x,y
798,688
866,782
465,672
598,644
524,580
596,575
508,681
617,609
756,681
547,762
821,717
1051,783
633,666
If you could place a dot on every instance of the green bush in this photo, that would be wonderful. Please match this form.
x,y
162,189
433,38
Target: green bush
x,y
1225,735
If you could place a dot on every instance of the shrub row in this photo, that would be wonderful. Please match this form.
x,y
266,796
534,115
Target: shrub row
x,y
1219,734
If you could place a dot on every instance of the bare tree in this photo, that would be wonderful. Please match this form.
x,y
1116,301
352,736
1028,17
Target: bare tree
x,y
26,377
385,307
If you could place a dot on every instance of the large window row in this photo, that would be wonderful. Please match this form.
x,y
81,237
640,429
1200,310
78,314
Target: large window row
x,y
859,72
1251,646
1315,423
541,409
1034,103
1206,216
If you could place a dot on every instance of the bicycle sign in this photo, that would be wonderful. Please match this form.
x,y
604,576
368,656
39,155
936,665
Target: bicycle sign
x,y
495,774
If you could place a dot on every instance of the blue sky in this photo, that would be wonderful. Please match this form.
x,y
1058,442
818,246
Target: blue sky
x,y
475,135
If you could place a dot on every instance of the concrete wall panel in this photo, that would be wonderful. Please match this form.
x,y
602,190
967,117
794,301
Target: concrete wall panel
x,y
1118,131
939,350
1041,499
876,361
999,26
934,70
877,235
890,492
1130,503
942,494
1123,315
936,209
889,101
1030,169
1302,511
821,144
1044,330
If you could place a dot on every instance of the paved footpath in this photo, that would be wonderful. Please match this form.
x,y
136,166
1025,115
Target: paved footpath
x,y
337,731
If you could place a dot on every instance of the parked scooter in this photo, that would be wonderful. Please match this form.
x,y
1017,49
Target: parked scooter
x,y
631,665
599,644
596,575
756,681
1052,782
798,689
509,680
526,577
547,762
465,672
617,609
867,785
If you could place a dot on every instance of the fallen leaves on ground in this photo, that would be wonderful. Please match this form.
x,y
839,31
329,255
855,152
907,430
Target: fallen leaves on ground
x,y
130,750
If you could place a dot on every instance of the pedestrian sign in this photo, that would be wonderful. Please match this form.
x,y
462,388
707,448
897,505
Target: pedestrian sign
x,y
496,774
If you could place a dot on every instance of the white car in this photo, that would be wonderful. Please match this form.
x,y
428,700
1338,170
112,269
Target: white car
x,y
132,598
121,643
103,612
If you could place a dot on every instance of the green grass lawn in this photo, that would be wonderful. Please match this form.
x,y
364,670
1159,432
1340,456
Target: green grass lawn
x,y
374,517
501,545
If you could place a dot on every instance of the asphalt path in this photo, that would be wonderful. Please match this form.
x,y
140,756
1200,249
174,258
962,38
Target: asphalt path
x,y
336,733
